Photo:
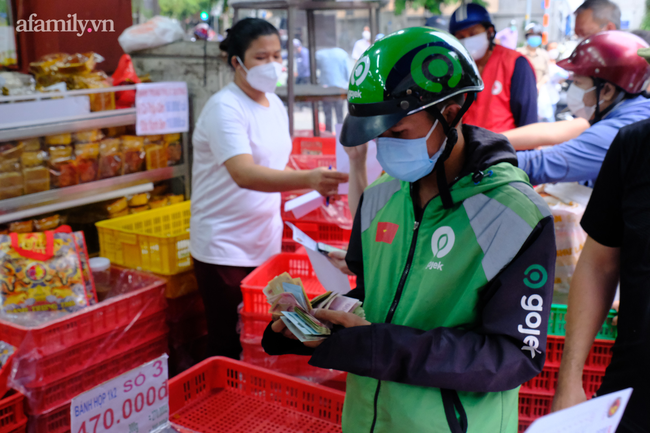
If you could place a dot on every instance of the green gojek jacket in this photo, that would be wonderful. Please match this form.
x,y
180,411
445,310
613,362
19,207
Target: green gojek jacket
x,y
458,299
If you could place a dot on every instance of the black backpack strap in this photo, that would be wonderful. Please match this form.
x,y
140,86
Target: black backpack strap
x,y
454,411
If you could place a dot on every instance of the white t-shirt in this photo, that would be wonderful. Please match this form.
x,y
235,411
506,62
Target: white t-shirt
x,y
232,226
359,48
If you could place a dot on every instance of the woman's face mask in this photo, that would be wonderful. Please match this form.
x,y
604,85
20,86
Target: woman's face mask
x,y
575,101
263,77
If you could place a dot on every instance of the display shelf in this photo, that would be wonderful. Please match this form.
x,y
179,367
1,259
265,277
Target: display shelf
x,y
96,120
56,199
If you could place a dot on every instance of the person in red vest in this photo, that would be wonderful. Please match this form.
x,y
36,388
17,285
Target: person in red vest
x,y
510,96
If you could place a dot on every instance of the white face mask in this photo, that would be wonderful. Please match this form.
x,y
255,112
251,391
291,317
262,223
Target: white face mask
x,y
366,35
263,77
553,54
574,100
477,45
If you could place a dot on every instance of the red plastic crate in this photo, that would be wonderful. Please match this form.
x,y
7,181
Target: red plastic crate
x,y
310,162
39,371
533,405
145,297
41,399
227,396
5,371
297,265
599,356
12,415
22,428
524,424
314,146
546,381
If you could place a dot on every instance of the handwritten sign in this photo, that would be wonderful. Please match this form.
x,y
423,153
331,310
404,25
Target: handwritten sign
x,y
136,401
161,108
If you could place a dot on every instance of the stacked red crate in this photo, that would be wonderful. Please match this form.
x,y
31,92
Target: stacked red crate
x,y
62,358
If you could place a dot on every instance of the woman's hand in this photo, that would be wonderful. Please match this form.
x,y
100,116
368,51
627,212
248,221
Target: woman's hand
x,y
337,258
326,181
279,327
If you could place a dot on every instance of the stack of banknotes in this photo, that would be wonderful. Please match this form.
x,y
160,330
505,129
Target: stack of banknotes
x,y
289,300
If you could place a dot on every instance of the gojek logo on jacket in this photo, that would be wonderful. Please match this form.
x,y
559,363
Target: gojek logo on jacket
x,y
442,242
535,278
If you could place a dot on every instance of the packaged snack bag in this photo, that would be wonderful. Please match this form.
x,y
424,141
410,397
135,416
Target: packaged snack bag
x,y
85,267
40,272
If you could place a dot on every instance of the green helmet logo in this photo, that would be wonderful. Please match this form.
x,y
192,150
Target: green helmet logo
x,y
433,67
401,74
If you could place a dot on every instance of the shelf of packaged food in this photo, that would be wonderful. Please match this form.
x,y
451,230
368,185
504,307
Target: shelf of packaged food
x,y
27,206
96,120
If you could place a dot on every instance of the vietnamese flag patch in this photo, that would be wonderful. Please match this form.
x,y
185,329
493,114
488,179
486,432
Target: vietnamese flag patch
x,y
386,232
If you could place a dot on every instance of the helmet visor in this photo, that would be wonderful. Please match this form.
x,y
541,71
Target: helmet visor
x,y
360,130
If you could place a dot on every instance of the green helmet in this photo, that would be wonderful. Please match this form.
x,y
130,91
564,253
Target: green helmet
x,y
403,73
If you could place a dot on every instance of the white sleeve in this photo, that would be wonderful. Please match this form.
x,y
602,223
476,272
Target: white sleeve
x,y
226,130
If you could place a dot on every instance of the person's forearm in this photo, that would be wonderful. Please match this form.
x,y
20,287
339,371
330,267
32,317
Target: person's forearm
x,y
358,183
592,291
266,179
545,134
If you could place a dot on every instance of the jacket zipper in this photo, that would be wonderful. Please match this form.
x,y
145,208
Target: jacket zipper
x,y
398,294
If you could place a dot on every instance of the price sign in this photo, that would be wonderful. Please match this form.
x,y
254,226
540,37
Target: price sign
x,y
161,108
136,401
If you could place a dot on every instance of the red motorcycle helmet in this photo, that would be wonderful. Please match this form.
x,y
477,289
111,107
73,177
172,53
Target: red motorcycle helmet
x,y
611,56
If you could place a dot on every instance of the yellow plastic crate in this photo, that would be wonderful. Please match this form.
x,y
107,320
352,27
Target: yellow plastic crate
x,y
157,240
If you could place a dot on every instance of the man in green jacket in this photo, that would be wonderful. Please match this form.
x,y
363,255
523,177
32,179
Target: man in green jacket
x,y
453,250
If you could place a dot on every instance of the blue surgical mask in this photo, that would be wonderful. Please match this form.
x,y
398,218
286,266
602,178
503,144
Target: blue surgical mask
x,y
534,40
408,159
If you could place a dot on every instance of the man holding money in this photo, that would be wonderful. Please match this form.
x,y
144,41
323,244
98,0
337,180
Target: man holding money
x,y
453,250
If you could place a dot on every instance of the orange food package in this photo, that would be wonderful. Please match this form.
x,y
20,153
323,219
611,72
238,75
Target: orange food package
x,y
156,155
134,154
40,272
37,179
174,148
110,158
11,185
63,167
87,161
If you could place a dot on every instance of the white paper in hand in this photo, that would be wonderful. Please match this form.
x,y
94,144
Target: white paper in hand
x,y
343,161
306,203
329,276
600,414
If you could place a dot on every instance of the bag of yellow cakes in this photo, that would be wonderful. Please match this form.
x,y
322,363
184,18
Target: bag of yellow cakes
x,y
41,272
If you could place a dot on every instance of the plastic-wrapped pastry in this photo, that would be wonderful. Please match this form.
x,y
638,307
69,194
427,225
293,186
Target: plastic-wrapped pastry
x,y
117,206
47,223
11,185
87,161
174,148
34,158
59,139
88,136
134,155
156,155
115,131
110,158
31,144
139,199
139,209
63,167
22,226
123,212
158,202
175,199
37,179
9,165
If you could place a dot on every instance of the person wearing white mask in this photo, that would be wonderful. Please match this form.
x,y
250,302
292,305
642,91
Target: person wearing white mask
x,y
510,96
362,44
241,149
608,80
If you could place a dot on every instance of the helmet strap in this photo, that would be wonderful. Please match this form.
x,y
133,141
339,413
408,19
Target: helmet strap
x,y
600,114
452,137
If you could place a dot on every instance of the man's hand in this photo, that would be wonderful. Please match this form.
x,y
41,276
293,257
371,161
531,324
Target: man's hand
x,y
569,393
337,258
279,327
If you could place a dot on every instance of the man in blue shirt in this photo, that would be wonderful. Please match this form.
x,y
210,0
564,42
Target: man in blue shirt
x,y
335,72
608,80
302,62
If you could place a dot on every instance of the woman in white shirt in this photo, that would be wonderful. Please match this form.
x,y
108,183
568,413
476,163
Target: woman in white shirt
x,y
241,150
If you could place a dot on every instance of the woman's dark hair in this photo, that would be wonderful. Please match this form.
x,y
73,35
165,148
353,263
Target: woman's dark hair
x,y
242,34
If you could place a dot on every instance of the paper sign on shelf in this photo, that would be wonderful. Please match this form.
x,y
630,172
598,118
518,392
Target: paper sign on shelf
x,y
329,276
373,168
136,401
161,108
600,414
